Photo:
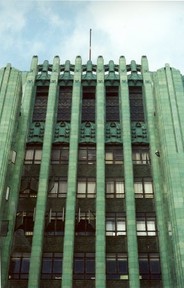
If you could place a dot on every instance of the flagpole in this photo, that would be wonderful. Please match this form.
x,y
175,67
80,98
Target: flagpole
x,y
90,44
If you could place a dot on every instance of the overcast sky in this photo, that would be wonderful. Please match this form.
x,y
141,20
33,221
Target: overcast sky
x,y
130,28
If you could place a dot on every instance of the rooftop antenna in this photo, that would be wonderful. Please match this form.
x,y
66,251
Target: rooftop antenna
x,y
90,44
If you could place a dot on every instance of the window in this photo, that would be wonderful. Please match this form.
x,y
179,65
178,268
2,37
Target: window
x,y
112,103
115,224
88,103
136,103
40,106
116,266
51,266
140,156
149,266
13,156
87,155
25,221
29,187
64,103
85,223
60,155
33,155
86,188
115,188
143,188
58,187
146,224
19,266
113,155
55,223
84,266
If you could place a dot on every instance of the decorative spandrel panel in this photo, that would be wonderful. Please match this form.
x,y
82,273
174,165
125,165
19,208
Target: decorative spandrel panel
x,y
136,103
40,105
36,132
139,132
88,133
64,103
112,103
113,132
62,132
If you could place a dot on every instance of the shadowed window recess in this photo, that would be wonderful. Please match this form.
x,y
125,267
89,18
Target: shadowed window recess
x,y
115,224
57,187
143,187
51,266
84,266
54,224
149,266
60,155
85,223
33,155
19,266
86,187
140,155
117,266
87,155
113,154
115,188
146,224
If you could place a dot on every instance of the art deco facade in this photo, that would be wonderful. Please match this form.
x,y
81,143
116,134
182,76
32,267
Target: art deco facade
x,y
92,175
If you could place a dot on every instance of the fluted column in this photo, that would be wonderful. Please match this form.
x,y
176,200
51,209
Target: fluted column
x,y
16,169
38,233
133,264
67,273
100,177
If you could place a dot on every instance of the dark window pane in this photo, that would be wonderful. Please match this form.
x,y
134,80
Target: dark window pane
x,y
25,265
15,265
144,266
122,266
155,266
111,266
79,266
47,265
90,266
57,265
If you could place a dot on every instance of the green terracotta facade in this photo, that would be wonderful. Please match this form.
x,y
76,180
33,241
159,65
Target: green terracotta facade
x,y
106,229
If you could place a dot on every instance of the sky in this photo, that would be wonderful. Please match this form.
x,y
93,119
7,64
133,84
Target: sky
x,y
130,28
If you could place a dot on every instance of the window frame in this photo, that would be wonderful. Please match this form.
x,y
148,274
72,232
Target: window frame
x,y
20,274
89,158
115,218
149,259
34,159
63,155
111,155
146,228
85,223
143,193
114,193
57,190
86,181
52,256
115,258
141,155
84,258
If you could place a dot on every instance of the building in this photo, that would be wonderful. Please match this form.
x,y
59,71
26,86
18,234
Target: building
x,y
91,175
